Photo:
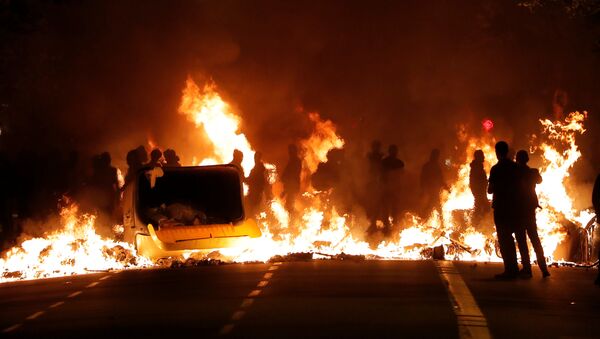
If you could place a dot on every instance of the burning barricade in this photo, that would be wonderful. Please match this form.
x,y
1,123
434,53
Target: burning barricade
x,y
316,222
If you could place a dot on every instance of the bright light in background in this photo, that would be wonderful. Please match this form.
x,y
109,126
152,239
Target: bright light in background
x,y
487,124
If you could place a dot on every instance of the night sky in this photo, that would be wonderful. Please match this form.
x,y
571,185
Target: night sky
x,y
108,75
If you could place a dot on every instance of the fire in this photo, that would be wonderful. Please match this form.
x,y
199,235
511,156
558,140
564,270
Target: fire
x,y
320,227
560,152
74,249
322,230
323,139
208,110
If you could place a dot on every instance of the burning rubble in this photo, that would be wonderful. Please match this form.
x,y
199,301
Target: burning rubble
x,y
75,248
317,225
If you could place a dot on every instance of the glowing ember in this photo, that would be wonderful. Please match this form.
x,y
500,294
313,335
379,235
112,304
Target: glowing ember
x,y
74,249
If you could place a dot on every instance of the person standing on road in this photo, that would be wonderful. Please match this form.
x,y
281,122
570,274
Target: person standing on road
x,y
596,204
393,169
291,179
502,184
432,184
478,185
528,204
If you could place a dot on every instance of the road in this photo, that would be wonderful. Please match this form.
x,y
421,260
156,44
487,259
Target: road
x,y
325,299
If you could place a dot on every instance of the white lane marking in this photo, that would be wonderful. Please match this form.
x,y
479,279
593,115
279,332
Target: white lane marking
x,y
95,283
471,321
226,329
74,294
56,304
35,315
105,277
254,293
12,328
237,315
247,303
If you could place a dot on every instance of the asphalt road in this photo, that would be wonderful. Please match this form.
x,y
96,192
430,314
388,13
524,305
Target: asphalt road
x,y
324,299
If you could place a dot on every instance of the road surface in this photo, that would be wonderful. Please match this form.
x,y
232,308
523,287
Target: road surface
x,y
312,299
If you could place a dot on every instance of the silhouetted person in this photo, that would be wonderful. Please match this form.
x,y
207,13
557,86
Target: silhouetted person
x,y
238,157
478,185
503,183
171,158
328,173
432,183
134,163
391,177
155,156
529,203
257,185
374,189
7,186
105,183
142,154
291,178
596,204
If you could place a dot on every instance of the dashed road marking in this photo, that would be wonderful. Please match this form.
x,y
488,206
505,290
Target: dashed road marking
x,y
35,315
56,304
237,315
95,283
11,328
254,293
247,302
471,321
74,294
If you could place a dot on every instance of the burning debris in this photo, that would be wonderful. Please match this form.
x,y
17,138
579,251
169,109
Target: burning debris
x,y
75,248
318,222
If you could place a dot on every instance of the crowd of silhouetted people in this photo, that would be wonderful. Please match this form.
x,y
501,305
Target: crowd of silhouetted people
x,y
28,192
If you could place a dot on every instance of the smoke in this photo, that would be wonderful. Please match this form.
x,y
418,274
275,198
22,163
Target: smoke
x,y
99,76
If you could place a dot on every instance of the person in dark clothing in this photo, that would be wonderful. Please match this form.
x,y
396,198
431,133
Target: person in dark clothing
x,y
528,201
328,173
432,183
134,164
238,157
105,184
391,180
155,156
596,204
171,158
258,185
291,178
373,203
142,154
478,185
503,183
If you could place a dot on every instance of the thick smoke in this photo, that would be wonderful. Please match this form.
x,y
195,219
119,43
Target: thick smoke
x,y
108,76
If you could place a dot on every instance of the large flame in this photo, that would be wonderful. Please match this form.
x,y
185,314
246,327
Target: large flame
x,y
75,248
208,110
320,228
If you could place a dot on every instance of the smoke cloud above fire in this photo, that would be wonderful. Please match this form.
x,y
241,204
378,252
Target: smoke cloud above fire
x,y
108,76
